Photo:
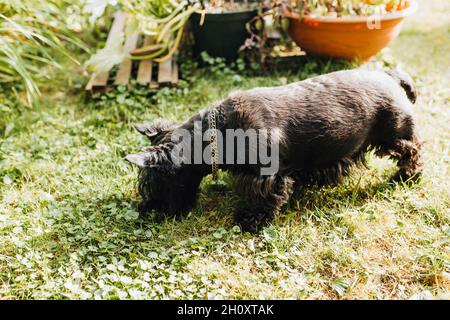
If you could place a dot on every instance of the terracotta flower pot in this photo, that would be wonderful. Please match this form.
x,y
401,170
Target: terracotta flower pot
x,y
351,38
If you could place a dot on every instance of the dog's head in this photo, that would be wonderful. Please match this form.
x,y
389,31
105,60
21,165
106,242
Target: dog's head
x,y
159,131
165,185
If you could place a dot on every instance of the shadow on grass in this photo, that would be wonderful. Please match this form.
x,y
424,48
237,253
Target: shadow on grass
x,y
215,209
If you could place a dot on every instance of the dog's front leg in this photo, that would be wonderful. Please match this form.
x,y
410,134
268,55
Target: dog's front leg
x,y
260,198
144,207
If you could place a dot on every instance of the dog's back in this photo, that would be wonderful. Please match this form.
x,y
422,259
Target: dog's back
x,y
330,118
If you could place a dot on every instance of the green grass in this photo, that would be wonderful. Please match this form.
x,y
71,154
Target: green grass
x,y
69,228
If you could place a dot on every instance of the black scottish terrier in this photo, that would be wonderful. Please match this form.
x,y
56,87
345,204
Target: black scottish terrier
x,y
324,126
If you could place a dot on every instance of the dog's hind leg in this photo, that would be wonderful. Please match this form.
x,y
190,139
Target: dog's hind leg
x,y
261,197
408,154
396,137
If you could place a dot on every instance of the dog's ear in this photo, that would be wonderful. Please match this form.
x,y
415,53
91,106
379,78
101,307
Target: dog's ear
x,y
155,129
139,159
157,157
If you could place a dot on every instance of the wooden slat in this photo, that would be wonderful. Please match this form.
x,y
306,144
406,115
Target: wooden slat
x,y
174,71
165,71
101,79
153,84
144,75
124,72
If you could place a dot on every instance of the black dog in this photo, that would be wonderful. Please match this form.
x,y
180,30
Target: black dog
x,y
322,126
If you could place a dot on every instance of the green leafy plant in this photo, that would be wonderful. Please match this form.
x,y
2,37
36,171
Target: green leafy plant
x,y
30,33
341,8
163,20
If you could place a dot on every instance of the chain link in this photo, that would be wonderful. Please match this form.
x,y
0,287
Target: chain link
x,y
213,141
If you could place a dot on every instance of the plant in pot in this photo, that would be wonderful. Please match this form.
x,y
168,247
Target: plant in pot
x,y
221,28
163,21
347,29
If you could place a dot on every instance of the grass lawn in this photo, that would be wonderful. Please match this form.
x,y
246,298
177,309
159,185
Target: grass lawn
x,y
69,226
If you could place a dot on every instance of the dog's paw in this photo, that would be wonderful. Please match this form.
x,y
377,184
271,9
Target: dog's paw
x,y
144,209
248,227
250,221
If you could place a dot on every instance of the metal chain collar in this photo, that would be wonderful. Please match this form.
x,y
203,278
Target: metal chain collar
x,y
213,143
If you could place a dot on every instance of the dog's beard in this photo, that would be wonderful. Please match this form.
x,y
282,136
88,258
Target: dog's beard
x,y
166,194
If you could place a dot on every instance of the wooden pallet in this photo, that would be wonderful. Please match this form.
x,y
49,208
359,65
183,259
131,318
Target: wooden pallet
x,y
166,72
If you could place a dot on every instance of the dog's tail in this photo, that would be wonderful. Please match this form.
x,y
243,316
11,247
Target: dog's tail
x,y
406,82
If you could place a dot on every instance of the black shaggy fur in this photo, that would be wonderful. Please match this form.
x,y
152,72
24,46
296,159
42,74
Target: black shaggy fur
x,y
325,126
